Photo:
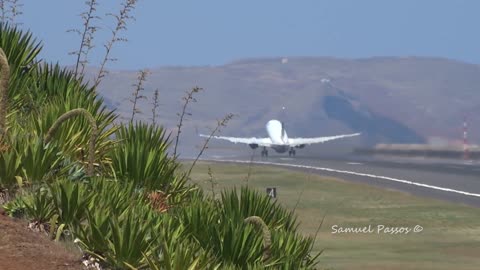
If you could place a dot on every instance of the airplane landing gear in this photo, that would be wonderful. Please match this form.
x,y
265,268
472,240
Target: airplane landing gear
x,y
264,152
291,152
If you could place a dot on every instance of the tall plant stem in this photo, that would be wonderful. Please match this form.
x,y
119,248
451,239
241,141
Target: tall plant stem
x,y
88,17
187,99
267,238
93,137
4,79
221,123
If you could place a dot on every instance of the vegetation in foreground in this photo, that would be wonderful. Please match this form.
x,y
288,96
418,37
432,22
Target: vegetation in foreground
x,y
449,239
113,190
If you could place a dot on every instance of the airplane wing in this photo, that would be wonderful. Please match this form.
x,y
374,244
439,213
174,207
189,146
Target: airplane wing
x,y
300,141
260,141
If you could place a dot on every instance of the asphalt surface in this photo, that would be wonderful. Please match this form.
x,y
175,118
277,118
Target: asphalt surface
x,y
455,181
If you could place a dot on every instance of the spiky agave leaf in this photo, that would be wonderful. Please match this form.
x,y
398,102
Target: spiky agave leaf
x,y
21,50
181,254
141,156
10,168
252,203
293,251
71,200
227,239
39,206
200,219
52,80
114,195
40,160
64,94
235,242
111,199
130,240
94,232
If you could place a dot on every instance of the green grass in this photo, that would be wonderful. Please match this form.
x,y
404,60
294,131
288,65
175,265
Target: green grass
x,y
450,238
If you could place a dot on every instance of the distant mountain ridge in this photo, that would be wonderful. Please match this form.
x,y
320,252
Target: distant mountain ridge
x,y
388,99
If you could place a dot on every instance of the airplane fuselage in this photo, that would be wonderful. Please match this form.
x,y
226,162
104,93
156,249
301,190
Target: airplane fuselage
x,y
278,136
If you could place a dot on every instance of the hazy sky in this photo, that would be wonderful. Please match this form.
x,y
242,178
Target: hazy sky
x,y
212,32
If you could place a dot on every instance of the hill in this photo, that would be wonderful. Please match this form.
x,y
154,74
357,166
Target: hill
x,y
389,99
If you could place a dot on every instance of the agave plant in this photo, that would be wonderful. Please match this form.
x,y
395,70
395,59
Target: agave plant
x,y
293,251
10,169
56,81
61,93
228,240
11,157
39,160
141,156
200,219
71,202
28,159
111,199
181,254
253,203
94,232
175,249
15,207
119,225
21,50
130,241
236,243
115,196
39,208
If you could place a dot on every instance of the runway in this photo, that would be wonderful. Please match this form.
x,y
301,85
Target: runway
x,y
456,182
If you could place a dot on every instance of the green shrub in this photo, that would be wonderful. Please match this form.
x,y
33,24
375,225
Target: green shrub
x,y
71,200
15,208
141,156
21,50
39,206
253,203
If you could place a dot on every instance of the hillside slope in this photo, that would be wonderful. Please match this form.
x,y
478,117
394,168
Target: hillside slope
x,y
389,99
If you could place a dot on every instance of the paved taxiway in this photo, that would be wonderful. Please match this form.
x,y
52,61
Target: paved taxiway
x,y
456,182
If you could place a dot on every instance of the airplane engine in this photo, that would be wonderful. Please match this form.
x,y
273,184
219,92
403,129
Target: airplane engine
x,y
300,146
253,145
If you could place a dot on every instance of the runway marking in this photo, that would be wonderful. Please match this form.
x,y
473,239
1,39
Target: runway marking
x,y
403,181
454,167
354,163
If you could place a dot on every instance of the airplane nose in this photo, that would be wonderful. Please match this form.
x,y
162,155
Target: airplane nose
x,y
269,123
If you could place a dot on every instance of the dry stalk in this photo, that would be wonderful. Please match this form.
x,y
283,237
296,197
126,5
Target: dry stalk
x,y
9,10
250,165
141,78
155,106
93,137
3,9
159,201
220,123
211,180
189,97
87,35
121,25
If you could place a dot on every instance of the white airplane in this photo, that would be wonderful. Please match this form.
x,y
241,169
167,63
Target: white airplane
x,y
278,139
